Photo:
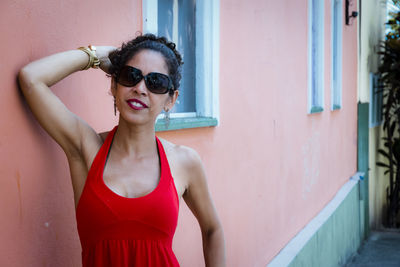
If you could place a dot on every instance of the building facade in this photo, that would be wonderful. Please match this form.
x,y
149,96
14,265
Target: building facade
x,y
269,101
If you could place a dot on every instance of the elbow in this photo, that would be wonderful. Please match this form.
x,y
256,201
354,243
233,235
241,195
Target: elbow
x,y
213,231
25,80
23,77
214,247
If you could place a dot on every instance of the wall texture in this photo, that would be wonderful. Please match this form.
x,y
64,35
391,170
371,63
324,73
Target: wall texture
x,y
37,221
271,167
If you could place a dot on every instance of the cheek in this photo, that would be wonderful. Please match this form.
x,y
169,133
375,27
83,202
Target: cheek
x,y
159,104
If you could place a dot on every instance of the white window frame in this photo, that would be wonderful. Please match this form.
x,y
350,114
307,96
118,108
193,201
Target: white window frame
x,y
376,101
336,82
319,77
207,65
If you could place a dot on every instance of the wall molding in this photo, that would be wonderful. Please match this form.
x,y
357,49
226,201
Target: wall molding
x,y
288,254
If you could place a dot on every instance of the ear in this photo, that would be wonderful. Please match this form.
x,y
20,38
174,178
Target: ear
x,y
169,104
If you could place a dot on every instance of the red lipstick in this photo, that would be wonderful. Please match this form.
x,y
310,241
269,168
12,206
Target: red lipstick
x,y
136,104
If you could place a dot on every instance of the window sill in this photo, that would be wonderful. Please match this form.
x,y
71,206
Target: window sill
x,y
185,123
316,109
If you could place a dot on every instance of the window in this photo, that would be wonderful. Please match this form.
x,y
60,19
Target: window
x,y
315,56
336,83
194,27
376,101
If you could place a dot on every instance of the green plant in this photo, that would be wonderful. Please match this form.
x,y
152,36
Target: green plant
x,y
389,71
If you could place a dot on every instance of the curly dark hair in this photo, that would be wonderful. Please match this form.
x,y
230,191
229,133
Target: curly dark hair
x,y
128,50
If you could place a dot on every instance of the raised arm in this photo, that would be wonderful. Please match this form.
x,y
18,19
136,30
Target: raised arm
x,y
198,199
64,127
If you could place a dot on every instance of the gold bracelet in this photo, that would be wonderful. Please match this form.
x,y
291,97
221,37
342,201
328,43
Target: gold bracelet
x,y
94,61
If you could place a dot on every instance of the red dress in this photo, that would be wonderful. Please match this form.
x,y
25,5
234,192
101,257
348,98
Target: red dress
x,y
116,231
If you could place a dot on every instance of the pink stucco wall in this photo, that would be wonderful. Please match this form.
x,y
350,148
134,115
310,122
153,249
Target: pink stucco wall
x,y
271,166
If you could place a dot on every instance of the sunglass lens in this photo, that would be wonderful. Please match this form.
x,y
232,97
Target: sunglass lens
x,y
129,76
157,83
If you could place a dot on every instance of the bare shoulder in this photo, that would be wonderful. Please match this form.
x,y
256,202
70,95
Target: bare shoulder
x,y
103,136
94,146
185,164
186,156
92,141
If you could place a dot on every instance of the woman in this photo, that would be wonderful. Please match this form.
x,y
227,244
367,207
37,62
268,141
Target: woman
x,y
127,183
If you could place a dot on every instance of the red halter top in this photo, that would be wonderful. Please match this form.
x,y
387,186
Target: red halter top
x,y
118,231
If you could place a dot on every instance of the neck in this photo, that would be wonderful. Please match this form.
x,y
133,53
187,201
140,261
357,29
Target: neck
x,y
135,140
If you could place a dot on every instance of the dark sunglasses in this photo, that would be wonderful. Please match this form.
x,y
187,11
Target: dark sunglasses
x,y
157,83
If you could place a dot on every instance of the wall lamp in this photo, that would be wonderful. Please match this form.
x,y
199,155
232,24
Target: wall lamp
x,y
353,14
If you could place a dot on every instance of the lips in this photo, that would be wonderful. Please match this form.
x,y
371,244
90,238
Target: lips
x,y
136,104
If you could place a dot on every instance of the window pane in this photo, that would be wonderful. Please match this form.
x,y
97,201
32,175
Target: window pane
x,y
376,101
337,54
316,53
176,21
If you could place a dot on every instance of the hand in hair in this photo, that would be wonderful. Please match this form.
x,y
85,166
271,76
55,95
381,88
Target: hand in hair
x,y
102,53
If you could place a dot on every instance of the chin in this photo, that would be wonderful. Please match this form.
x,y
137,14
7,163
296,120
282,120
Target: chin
x,y
137,120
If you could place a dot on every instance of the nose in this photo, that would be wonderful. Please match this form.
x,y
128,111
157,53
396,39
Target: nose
x,y
140,88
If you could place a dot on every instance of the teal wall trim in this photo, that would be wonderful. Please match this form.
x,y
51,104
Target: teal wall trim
x,y
362,164
332,237
316,109
185,123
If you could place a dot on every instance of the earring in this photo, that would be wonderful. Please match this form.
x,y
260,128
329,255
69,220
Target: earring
x,y
166,117
115,107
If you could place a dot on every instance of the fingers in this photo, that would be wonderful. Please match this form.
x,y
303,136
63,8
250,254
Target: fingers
x,y
102,54
104,51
